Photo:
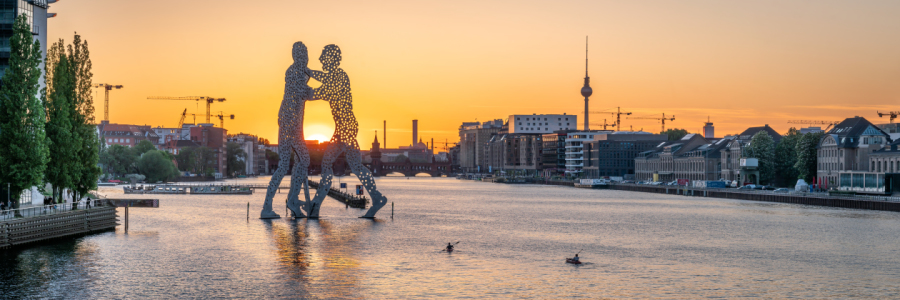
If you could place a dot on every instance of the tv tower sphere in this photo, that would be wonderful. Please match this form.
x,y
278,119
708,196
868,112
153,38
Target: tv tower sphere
x,y
586,91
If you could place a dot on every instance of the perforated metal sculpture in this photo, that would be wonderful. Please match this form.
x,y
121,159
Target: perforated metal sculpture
x,y
335,89
290,136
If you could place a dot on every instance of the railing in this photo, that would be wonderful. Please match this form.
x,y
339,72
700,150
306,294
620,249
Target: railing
x,y
36,211
790,193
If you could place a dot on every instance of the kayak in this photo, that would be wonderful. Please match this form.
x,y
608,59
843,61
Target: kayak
x,y
572,261
449,250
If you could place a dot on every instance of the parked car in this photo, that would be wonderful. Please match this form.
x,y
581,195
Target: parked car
x,y
748,187
628,181
783,190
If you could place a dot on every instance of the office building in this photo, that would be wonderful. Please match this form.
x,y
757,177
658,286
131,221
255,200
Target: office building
x,y
847,147
613,154
541,124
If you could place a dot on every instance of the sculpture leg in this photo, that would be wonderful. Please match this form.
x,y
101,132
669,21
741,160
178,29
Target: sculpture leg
x,y
299,180
331,155
284,152
367,180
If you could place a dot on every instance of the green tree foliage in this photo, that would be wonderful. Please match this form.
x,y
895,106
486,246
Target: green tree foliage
x,y
120,160
186,159
762,147
675,134
786,157
143,147
87,152
157,166
23,141
62,167
234,159
807,164
206,161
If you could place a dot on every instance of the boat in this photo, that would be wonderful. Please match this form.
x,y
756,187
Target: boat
x,y
221,190
572,261
159,189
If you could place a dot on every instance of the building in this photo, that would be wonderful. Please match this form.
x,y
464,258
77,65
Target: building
x,y
36,12
514,153
732,154
472,138
709,131
811,130
613,154
254,158
541,124
553,154
206,135
847,147
671,160
166,134
886,160
126,134
578,150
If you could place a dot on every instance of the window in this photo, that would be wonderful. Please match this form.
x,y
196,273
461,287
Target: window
x,y
128,140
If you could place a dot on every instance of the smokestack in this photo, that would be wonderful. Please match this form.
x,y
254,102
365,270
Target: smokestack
x,y
385,134
415,132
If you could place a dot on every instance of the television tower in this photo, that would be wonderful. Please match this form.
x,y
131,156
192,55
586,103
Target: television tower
x,y
586,91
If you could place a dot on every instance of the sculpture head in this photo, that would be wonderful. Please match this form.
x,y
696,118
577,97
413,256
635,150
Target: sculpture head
x,y
330,58
300,54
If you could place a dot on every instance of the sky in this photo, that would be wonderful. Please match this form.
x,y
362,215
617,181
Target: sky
x,y
739,63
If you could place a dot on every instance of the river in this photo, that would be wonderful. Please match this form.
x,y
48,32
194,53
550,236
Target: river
x,y
512,243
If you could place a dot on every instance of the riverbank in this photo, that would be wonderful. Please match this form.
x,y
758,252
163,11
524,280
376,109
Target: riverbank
x,y
882,203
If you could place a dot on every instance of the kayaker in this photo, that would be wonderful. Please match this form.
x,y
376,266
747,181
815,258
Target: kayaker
x,y
575,259
449,247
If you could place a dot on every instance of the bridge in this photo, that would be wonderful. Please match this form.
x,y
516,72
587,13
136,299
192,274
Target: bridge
x,y
410,169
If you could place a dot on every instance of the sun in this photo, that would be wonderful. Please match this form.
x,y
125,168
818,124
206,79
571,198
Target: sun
x,y
319,137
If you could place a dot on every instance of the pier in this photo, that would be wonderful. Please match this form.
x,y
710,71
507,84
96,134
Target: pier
x,y
36,224
335,193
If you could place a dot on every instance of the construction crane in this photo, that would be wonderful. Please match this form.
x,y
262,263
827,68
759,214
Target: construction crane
x,y
604,124
892,114
181,122
812,122
107,87
663,120
209,101
619,114
221,117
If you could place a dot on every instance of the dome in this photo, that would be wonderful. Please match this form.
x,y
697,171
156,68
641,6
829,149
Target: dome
x,y
586,91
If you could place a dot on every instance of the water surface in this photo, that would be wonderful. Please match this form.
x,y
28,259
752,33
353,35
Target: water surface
x,y
513,241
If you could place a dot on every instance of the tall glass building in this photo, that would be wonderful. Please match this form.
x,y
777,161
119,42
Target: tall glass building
x,y
36,12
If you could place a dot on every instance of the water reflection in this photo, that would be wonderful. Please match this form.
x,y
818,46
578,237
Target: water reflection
x,y
321,255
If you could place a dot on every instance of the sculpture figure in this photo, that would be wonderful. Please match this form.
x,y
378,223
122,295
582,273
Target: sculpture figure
x,y
290,135
335,89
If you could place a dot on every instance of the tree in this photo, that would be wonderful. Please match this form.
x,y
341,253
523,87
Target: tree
x,y
87,142
400,158
23,141
786,173
142,147
157,166
206,160
186,159
762,147
807,160
62,166
675,133
121,160
235,158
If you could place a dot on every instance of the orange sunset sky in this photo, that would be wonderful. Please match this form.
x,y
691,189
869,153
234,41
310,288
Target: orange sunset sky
x,y
742,63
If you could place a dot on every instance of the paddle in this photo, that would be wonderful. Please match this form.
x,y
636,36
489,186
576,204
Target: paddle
x,y
454,244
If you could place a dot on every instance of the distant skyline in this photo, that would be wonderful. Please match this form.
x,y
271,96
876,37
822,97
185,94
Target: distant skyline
x,y
743,64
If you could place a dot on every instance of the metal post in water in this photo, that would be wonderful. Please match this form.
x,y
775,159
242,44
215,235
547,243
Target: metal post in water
x,y
126,219
248,211
392,209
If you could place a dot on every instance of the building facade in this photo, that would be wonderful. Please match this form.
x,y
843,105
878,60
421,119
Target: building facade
x,y
541,124
847,147
613,154
578,151
686,158
553,154
126,134
514,153
206,135
473,136
732,154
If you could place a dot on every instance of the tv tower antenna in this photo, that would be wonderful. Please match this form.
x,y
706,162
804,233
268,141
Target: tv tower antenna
x,y
586,91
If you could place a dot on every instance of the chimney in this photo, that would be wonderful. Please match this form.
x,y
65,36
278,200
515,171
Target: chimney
x,y
415,132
